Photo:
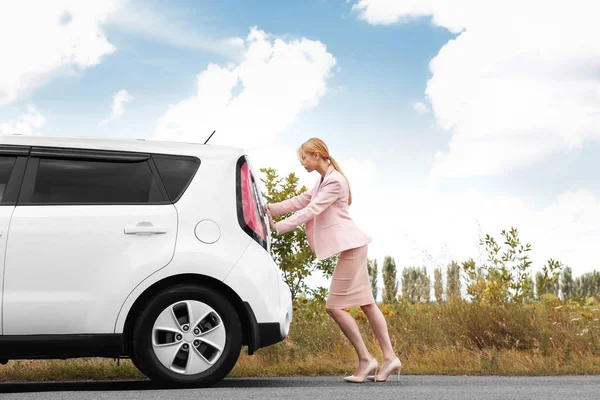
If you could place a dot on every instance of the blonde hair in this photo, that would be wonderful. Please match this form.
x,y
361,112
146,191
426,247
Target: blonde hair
x,y
316,145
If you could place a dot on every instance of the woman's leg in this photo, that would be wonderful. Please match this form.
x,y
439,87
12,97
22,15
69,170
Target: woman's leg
x,y
350,329
379,326
342,292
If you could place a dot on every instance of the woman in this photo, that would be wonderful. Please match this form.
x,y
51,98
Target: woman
x,y
330,230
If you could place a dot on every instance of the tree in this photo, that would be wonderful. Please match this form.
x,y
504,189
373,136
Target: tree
x,y
547,280
476,280
567,285
291,250
409,284
372,266
528,289
438,285
390,283
416,284
453,281
541,287
502,277
587,285
424,286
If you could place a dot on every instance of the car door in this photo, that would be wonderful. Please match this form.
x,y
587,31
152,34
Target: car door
x,y
12,165
88,227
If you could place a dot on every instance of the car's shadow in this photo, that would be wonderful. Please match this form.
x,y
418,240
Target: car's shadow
x,y
23,387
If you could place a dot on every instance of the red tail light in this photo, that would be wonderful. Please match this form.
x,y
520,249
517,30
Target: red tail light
x,y
249,205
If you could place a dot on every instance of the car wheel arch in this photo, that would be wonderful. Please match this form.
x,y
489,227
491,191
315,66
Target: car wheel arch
x,y
248,332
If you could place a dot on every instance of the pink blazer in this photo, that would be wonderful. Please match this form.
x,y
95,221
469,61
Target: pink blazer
x,y
325,211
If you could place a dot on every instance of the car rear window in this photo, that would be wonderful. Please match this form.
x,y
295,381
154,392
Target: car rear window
x,y
176,173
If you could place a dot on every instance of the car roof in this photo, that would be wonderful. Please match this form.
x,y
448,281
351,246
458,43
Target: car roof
x,y
121,144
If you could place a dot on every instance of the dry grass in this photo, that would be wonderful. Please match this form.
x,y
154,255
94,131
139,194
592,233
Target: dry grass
x,y
81,369
433,362
455,338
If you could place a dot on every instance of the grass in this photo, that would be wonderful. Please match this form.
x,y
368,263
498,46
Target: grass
x,y
453,338
80,369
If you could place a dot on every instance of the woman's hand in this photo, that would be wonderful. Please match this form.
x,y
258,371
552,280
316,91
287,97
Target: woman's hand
x,y
267,209
271,222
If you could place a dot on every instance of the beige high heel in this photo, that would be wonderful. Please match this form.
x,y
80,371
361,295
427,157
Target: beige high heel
x,y
361,377
395,365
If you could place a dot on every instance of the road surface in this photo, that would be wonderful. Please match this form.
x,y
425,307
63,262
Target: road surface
x,y
311,388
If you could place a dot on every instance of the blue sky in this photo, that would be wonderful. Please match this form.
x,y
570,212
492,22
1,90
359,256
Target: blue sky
x,y
447,119
379,75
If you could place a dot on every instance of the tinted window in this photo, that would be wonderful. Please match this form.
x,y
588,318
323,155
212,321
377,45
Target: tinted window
x,y
175,173
82,181
6,167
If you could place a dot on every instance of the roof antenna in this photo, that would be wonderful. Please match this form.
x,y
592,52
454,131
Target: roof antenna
x,y
210,137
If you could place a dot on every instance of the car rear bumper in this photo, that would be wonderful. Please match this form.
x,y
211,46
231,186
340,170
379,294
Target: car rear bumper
x,y
263,333
267,298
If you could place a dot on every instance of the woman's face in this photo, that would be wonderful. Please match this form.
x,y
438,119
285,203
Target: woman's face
x,y
310,161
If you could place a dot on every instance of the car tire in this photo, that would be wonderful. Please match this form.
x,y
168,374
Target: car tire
x,y
160,335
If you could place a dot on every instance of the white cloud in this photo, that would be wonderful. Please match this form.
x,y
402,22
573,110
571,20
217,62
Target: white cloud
x,y
421,227
25,124
141,19
40,39
519,84
120,98
387,12
252,102
420,108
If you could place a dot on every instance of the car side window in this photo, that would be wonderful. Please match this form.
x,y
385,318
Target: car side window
x,y
7,164
73,181
176,173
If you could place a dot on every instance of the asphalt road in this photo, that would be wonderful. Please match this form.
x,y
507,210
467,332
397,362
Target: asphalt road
x,y
409,387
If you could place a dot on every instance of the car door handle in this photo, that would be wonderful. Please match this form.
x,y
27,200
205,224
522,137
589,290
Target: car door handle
x,y
144,230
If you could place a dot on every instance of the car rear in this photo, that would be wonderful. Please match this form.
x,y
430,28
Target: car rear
x,y
255,277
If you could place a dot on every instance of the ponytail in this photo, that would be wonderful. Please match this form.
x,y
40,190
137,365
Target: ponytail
x,y
337,167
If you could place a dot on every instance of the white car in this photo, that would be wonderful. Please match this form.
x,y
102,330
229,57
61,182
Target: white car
x,y
154,251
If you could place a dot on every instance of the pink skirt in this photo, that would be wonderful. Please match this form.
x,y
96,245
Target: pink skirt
x,y
350,286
